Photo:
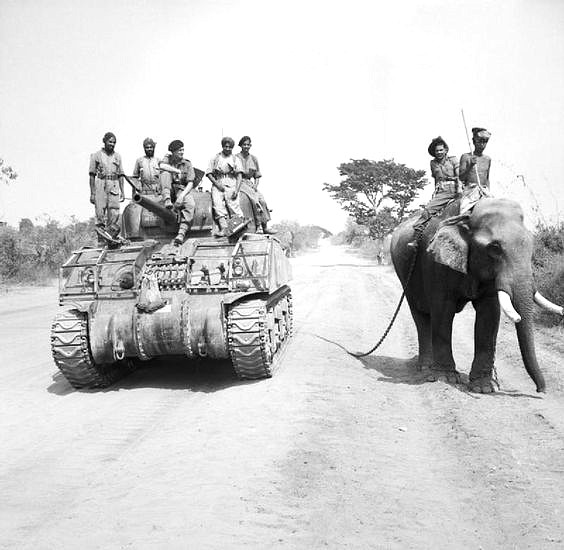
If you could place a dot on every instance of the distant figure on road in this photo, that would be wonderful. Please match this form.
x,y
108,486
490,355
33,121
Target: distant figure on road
x,y
106,187
258,209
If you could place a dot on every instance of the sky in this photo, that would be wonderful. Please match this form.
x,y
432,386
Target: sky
x,y
314,83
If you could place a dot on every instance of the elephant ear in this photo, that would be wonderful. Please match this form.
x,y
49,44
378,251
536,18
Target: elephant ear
x,y
450,247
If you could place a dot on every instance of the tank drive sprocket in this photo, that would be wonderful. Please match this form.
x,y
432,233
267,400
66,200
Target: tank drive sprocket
x,y
69,346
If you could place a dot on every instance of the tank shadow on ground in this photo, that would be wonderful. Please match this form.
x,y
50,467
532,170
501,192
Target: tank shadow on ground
x,y
206,376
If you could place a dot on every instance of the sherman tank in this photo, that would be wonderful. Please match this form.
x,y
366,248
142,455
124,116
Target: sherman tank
x,y
126,303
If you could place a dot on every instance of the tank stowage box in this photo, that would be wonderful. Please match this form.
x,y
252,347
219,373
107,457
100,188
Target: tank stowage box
x,y
212,297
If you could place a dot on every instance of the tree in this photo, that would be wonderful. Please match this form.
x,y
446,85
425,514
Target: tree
x,y
7,173
377,194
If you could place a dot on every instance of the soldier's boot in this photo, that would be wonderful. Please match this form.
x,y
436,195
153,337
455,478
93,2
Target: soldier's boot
x,y
182,230
222,222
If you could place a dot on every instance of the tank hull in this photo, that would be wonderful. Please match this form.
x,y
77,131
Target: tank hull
x,y
211,298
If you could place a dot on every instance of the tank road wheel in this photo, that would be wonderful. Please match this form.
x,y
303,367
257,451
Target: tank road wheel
x,y
69,346
258,331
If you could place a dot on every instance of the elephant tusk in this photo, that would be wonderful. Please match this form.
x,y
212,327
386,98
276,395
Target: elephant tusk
x,y
507,306
547,304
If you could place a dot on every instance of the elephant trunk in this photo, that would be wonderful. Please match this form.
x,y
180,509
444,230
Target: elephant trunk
x,y
522,305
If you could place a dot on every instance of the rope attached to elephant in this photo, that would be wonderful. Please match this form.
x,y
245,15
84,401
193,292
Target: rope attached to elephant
x,y
358,355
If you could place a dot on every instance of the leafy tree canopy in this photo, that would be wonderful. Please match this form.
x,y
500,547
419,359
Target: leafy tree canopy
x,y
7,173
377,194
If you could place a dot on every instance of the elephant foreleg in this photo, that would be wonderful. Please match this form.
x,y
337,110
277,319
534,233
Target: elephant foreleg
x,y
485,336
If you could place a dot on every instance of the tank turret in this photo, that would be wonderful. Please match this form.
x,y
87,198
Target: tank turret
x,y
145,217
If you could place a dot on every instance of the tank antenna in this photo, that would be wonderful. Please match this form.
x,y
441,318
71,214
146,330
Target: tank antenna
x,y
470,146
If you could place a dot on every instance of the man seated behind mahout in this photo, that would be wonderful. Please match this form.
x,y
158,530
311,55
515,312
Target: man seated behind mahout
x,y
444,170
177,182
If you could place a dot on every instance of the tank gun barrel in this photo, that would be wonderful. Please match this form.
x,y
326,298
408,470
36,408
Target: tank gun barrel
x,y
153,206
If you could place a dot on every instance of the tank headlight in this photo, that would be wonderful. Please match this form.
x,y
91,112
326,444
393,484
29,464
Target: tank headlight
x,y
88,277
126,280
237,268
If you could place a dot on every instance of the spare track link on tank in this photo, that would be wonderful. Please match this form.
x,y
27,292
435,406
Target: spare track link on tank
x,y
258,331
69,345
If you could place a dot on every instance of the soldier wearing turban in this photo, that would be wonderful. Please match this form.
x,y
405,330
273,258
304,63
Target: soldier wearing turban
x,y
475,167
146,168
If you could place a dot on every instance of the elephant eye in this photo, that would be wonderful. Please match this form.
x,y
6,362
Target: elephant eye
x,y
494,248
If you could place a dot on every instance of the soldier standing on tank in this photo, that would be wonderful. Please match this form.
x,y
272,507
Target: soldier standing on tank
x,y
106,185
177,181
147,170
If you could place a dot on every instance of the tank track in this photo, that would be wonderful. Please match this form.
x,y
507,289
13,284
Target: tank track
x,y
69,346
258,331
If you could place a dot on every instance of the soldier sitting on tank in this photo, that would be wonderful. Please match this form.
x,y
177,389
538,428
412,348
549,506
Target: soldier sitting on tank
x,y
251,174
225,173
177,181
146,169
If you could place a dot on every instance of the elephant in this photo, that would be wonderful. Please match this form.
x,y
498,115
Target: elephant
x,y
484,258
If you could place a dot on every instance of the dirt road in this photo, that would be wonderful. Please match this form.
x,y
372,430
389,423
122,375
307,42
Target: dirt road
x,y
333,452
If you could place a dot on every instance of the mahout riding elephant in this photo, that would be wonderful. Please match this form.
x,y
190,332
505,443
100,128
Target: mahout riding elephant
x,y
484,259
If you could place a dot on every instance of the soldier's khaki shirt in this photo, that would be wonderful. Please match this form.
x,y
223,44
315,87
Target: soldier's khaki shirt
x,y
147,170
103,165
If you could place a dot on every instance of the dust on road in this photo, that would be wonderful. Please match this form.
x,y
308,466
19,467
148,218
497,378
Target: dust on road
x,y
333,452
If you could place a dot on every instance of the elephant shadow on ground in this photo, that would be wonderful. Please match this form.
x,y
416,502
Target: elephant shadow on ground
x,y
394,370
406,371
